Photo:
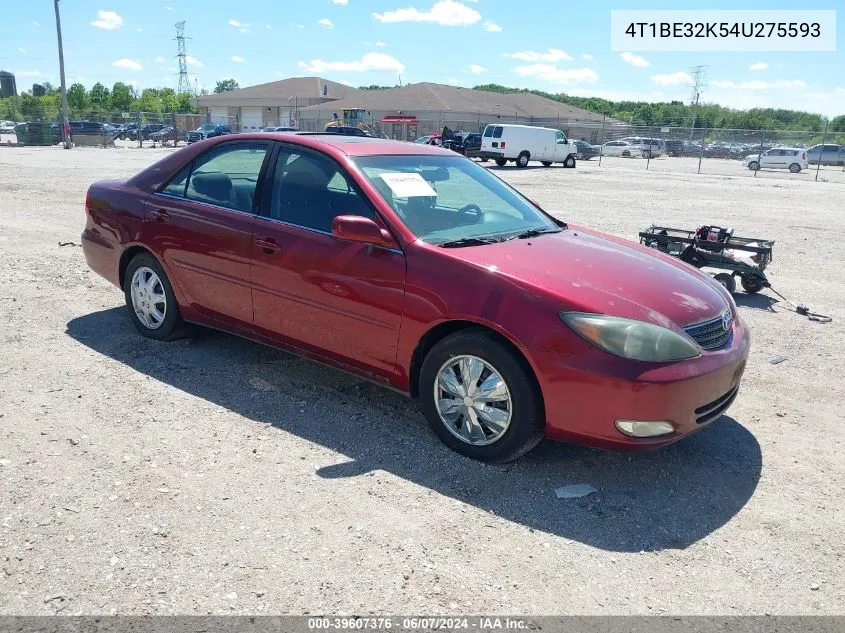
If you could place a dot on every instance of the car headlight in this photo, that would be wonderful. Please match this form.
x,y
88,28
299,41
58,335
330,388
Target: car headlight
x,y
632,339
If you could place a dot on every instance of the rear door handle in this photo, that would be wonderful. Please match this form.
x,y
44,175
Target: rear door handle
x,y
160,215
268,245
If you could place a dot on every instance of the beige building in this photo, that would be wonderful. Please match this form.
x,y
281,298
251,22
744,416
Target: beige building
x,y
404,113
275,103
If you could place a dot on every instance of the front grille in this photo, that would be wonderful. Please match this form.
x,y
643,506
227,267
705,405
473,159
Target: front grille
x,y
711,334
713,410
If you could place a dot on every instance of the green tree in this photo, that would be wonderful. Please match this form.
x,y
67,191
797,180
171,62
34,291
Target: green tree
x,y
168,99
184,102
99,96
149,101
838,124
121,97
77,98
225,85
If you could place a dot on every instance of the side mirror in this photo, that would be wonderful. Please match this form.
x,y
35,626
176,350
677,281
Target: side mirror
x,y
354,228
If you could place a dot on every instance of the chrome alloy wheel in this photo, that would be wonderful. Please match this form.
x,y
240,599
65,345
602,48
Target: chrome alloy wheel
x,y
148,298
473,400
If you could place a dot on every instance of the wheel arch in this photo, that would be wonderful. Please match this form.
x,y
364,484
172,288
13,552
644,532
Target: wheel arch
x,y
440,331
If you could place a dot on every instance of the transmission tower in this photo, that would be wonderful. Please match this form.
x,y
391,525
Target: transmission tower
x,y
697,73
182,56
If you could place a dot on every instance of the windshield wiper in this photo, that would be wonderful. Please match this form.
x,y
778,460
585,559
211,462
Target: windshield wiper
x,y
469,241
531,233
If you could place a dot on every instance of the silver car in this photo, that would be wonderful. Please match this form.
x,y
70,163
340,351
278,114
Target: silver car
x,y
828,154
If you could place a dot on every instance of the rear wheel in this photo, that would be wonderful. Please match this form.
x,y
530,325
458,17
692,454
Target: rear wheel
x,y
522,159
484,159
150,299
795,168
569,162
626,154
546,163
751,285
501,162
480,398
727,281
754,165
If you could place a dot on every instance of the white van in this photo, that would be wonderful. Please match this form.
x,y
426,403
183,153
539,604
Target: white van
x,y
521,143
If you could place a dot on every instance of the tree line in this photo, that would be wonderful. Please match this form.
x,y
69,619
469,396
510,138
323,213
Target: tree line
x,y
676,113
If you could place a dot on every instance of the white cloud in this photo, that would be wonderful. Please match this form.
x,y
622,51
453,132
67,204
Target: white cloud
x,y
193,61
128,64
268,26
758,66
491,26
167,7
298,26
108,20
379,43
140,30
444,13
237,59
475,69
634,60
28,73
341,2
587,56
679,78
159,60
133,83
22,50
551,55
760,85
553,74
325,22
34,23
369,62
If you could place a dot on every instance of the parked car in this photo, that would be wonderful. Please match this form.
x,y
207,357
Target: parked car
x,y
719,150
588,337
430,139
168,134
585,150
347,130
828,154
792,158
208,130
523,143
646,147
7,127
87,128
280,128
674,147
466,143
619,148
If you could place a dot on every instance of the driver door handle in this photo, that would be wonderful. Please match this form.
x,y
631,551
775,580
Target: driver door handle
x,y
268,245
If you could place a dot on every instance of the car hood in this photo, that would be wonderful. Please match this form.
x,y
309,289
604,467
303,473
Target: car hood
x,y
752,157
588,271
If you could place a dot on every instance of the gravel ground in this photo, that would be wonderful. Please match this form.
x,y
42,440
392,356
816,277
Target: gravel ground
x,y
214,475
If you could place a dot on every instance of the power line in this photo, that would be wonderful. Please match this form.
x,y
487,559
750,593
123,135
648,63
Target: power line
x,y
698,73
182,56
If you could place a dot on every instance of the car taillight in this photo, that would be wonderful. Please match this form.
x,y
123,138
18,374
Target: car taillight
x,y
502,145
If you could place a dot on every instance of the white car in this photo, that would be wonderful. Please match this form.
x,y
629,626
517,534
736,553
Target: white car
x,y
620,148
792,158
522,143
7,127
643,146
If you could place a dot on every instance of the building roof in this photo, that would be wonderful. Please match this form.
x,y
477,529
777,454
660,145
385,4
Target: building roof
x,y
280,93
439,97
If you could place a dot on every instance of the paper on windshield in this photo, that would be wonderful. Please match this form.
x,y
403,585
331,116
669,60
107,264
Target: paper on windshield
x,y
407,185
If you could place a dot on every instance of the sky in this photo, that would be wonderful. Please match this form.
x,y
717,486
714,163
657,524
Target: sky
x,y
550,45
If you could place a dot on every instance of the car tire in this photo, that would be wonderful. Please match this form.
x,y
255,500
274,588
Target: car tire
x,y
522,159
795,168
751,285
151,296
727,281
501,162
484,159
523,405
754,165
546,163
569,162
626,154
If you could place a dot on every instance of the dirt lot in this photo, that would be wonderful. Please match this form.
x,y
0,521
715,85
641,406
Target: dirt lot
x,y
213,475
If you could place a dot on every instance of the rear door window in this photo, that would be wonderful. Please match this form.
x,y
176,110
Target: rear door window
x,y
488,131
497,131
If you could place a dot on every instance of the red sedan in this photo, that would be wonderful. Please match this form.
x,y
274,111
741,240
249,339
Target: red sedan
x,y
416,268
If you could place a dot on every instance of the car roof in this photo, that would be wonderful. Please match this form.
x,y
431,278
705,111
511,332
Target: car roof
x,y
354,145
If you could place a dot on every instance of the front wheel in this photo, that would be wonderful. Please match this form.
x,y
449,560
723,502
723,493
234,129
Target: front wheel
x,y
150,299
751,285
522,160
795,168
569,162
754,165
480,398
727,281
501,162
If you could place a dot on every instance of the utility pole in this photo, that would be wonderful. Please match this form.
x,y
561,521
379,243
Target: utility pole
x,y
65,124
184,84
698,73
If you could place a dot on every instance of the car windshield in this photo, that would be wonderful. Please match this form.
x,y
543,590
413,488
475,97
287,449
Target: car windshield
x,y
446,199
208,127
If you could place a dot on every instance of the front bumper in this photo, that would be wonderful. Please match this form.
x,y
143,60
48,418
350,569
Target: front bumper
x,y
584,400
